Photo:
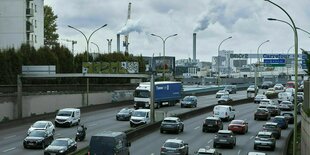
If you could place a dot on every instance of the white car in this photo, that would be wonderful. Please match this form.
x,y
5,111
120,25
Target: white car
x,y
266,102
286,105
221,93
48,126
278,87
270,91
259,97
251,89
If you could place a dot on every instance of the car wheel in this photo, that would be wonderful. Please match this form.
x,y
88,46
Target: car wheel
x,y
273,148
25,146
203,130
182,129
255,148
161,131
214,145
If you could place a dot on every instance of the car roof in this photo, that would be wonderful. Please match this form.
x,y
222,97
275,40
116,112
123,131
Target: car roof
x,y
42,122
271,123
143,110
62,139
279,117
226,106
69,109
256,153
266,99
213,118
171,118
225,131
264,133
204,150
174,141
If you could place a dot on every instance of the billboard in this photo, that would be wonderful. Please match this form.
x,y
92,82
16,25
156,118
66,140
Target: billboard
x,y
124,67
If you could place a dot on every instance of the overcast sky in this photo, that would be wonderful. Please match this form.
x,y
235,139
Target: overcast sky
x,y
213,20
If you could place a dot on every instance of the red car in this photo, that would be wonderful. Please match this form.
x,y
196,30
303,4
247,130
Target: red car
x,y
238,126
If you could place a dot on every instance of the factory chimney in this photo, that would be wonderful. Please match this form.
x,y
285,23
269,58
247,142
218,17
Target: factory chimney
x,y
118,42
194,47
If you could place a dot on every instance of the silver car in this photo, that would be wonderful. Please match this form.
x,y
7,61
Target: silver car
x,y
48,126
174,146
264,140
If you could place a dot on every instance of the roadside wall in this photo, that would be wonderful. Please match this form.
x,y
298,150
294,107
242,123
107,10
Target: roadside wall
x,y
305,134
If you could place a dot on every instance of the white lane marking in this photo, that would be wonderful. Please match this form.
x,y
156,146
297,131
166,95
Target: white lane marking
x,y
9,137
239,152
251,137
209,141
10,149
197,127
91,125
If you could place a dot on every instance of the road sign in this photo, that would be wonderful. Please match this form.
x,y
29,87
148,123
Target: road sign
x,y
275,65
274,61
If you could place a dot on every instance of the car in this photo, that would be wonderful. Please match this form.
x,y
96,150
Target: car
x,y
300,98
264,139
238,126
301,93
273,128
224,137
207,151
189,101
251,89
281,120
48,126
61,146
266,102
262,113
174,146
224,112
224,99
290,90
256,153
173,124
289,117
278,87
301,87
38,139
270,91
299,106
220,93
267,84
124,114
232,89
140,117
285,96
212,124
259,97
286,105
274,110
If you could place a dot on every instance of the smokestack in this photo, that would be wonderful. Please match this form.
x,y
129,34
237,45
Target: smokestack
x,y
194,47
118,42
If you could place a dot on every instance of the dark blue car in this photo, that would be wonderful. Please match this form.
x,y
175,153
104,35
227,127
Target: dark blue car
x,y
282,121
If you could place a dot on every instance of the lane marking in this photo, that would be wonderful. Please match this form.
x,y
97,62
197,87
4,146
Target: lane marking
x,y
251,137
197,127
210,141
9,137
10,149
239,152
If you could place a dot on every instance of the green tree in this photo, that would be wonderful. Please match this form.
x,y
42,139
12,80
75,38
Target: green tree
x,y
50,27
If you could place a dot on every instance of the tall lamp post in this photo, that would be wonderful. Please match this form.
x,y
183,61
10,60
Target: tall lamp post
x,y
98,49
287,58
164,48
87,52
296,73
256,67
218,60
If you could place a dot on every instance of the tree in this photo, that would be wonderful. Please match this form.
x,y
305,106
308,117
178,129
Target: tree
x,y
50,27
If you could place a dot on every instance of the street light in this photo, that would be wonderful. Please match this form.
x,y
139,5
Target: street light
x,y
218,60
87,52
287,61
164,48
296,73
256,66
97,46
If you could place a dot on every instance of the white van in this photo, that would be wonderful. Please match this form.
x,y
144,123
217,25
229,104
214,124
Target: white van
x,y
224,112
68,117
140,117
285,96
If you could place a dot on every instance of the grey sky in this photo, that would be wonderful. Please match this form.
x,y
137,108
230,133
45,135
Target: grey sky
x,y
213,20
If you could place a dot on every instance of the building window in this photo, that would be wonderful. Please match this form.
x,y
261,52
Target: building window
x,y
35,38
35,8
35,23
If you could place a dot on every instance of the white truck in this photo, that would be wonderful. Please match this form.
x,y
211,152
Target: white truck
x,y
68,117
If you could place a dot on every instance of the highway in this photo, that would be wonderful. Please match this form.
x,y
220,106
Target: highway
x,y
197,139
11,139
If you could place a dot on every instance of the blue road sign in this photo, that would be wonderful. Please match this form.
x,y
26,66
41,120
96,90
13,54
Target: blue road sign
x,y
274,61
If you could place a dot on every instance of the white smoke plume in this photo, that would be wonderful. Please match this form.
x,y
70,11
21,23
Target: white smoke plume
x,y
131,26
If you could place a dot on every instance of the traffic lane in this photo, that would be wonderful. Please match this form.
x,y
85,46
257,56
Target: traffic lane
x,y
196,139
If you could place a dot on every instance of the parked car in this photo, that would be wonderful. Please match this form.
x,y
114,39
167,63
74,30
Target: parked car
x,y
273,128
189,101
212,124
264,139
267,84
270,91
238,126
220,93
224,137
61,146
251,89
48,126
274,110
224,99
38,139
205,151
232,89
259,97
289,117
282,122
124,114
173,124
286,105
174,146
262,113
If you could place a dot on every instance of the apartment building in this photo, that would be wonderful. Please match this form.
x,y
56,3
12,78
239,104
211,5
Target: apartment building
x,y
21,21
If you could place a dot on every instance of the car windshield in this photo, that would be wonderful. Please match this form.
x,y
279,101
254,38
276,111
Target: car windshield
x,y
278,120
260,110
285,102
172,145
236,122
210,121
59,143
269,126
222,91
141,93
263,136
251,86
139,114
39,125
260,96
169,121
64,113
224,97
224,134
287,114
188,99
126,111
37,133
271,108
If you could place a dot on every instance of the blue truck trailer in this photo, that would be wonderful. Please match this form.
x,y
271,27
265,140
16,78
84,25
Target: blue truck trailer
x,y
166,93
